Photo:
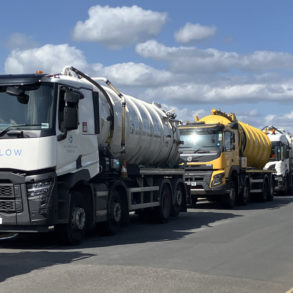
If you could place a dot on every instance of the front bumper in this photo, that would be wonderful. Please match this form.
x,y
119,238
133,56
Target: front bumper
x,y
199,184
20,212
279,183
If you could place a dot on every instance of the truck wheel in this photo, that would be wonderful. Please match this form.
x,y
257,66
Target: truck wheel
x,y
244,195
265,193
164,210
290,188
193,201
178,200
270,196
73,232
230,198
114,216
286,186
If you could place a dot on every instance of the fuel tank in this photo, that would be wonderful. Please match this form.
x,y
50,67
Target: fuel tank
x,y
254,143
151,138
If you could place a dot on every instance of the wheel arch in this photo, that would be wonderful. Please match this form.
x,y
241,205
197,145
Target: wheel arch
x,y
66,184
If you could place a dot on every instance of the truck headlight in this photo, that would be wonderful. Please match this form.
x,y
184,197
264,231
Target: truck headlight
x,y
218,179
40,189
39,194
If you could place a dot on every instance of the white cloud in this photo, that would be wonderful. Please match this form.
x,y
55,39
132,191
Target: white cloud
x,y
52,58
189,114
119,26
194,32
284,121
191,59
185,114
49,58
145,81
194,93
136,74
20,41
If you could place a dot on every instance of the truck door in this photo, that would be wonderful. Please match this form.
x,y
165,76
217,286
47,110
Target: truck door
x,y
230,152
76,147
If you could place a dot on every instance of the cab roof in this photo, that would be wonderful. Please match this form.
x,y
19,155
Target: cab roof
x,y
20,79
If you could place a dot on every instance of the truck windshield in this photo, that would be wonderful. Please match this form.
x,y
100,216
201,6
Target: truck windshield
x,y
200,139
26,108
277,151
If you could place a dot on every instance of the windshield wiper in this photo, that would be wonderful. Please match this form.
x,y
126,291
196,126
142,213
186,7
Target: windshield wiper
x,y
8,128
5,130
191,150
199,150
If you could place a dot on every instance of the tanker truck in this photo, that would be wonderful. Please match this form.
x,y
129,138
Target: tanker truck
x,y
76,153
281,159
224,160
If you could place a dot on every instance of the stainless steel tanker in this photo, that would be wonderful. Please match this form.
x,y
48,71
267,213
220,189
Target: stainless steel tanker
x,y
74,153
151,137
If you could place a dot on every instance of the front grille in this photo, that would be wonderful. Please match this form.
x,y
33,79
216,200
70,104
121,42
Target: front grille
x,y
195,182
6,190
10,198
198,180
7,206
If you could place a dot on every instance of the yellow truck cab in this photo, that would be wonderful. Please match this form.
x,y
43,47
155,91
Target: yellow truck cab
x,y
223,159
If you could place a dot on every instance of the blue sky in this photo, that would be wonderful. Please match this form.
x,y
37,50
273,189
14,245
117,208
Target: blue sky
x,y
189,55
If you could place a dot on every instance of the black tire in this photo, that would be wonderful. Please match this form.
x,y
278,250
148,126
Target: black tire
x,y
244,195
73,232
270,196
290,188
286,186
230,198
164,210
193,201
266,191
114,215
178,199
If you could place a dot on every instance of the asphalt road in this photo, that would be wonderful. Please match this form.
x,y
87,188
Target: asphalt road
x,y
208,249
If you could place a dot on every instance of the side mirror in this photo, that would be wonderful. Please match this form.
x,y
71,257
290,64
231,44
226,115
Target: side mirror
x,y
23,99
71,96
234,125
70,118
19,92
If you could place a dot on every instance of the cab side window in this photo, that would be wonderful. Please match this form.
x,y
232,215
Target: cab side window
x,y
67,107
227,141
61,109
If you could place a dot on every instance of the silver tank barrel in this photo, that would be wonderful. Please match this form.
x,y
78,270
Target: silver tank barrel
x,y
151,138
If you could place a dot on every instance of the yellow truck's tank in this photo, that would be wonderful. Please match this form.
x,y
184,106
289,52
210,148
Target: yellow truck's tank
x,y
255,145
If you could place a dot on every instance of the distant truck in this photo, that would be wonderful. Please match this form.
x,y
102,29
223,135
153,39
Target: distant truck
x,y
281,159
75,153
224,160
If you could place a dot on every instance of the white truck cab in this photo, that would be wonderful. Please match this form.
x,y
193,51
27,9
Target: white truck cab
x,y
281,159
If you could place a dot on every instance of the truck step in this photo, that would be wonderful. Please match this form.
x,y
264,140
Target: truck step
x,y
256,180
255,190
